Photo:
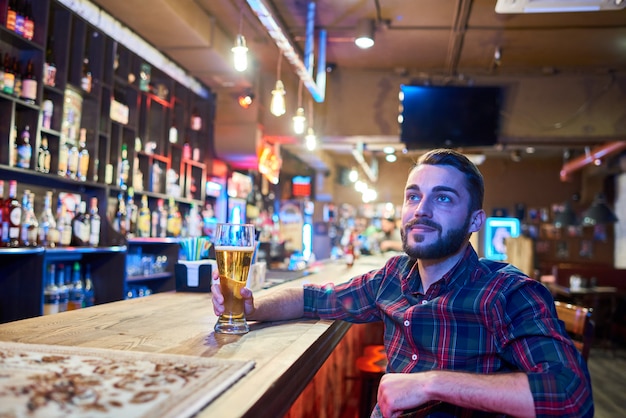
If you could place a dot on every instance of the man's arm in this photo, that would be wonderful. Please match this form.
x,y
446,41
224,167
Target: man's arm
x,y
507,393
279,305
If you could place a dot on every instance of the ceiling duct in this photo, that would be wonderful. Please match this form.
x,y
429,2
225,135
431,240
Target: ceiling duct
x,y
557,6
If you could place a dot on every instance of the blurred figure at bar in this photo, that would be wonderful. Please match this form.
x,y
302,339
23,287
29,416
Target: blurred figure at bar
x,y
389,239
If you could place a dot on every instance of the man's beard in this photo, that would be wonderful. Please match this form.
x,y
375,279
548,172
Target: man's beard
x,y
445,246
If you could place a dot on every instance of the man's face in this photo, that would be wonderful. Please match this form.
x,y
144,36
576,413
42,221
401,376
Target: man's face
x,y
436,221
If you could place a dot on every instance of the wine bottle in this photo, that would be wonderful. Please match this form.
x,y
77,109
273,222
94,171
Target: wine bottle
x,y
131,213
80,226
63,225
29,23
124,168
29,84
72,161
9,77
50,67
94,223
13,212
48,232
143,219
119,222
64,153
29,226
89,288
11,15
86,78
50,293
17,75
19,17
76,290
174,221
83,156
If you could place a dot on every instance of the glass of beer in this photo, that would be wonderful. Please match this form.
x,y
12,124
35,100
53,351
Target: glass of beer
x,y
234,247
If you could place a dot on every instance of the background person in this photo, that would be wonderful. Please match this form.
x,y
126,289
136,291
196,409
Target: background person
x,y
461,334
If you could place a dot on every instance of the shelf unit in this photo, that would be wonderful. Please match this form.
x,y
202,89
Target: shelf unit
x,y
154,101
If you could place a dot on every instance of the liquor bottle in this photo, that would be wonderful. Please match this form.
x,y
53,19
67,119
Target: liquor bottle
x,y
124,168
63,225
174,221
48,232
24,150
119,222
17,74
143,219
19,17
64,153
13,147
9,77
29,226
89,290
186,150
94,223
50,67
194,222
43,156
11,15
86,79
83,156
159,222
72,161
131,213
80,226
64,293
76,290
13,215
50,293
29,84
29,23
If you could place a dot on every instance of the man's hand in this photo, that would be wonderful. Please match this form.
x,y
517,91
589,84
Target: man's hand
x,y
218,297
399,392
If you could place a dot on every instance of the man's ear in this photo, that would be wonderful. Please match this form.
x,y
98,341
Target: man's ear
x,y
478,219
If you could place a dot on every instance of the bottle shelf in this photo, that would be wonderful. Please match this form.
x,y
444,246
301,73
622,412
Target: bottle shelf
x,y
142,278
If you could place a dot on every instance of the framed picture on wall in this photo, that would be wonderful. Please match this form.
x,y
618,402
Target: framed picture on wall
x,y
496,231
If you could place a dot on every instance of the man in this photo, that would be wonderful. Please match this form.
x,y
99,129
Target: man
x,y
391,237
463,336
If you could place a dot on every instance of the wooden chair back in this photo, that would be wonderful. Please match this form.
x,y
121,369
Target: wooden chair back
x,y
578,324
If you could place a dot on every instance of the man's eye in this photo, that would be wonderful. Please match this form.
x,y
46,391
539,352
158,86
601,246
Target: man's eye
x,y
413,198
443,198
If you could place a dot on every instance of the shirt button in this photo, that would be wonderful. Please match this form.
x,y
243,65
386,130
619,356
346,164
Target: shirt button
x,y
414,357
407,323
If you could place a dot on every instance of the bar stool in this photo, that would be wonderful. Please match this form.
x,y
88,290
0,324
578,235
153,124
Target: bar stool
x,y
371,365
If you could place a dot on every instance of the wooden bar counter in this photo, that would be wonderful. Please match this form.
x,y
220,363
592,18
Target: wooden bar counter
x,y
286,354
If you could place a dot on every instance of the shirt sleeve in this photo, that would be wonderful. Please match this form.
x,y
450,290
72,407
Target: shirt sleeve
x,y
532,338
353,301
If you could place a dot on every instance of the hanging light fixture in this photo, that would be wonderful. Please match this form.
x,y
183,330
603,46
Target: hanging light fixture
x,y
240,50
299,120
599,213
277,105
365,33
310,139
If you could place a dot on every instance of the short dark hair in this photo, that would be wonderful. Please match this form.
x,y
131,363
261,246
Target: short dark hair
x,y
473,177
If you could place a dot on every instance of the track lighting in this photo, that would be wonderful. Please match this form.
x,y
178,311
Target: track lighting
x,y
365,33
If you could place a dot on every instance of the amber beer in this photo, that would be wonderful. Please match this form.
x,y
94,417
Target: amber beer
x,y
233,264
234,251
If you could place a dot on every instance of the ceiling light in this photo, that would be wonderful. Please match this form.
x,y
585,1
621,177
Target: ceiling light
x,y
365,33
391,158
277,106
353,176
599,213
310,140
389,150
240,54
299,120
245,99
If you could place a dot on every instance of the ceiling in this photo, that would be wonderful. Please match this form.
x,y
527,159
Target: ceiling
x,y
442,39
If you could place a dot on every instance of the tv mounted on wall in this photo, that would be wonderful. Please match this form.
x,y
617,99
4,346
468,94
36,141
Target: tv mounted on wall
x,y
449,116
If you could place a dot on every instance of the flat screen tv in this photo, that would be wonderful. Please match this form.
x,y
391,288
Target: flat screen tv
x,y
449,116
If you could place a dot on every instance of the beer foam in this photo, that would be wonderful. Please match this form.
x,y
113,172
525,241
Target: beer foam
x,y
233,248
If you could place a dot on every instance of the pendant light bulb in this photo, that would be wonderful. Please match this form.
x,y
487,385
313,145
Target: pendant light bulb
x,y
240,54
310,139
299,120
277,106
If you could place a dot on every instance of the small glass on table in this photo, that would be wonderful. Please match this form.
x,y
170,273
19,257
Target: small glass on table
x,y
234,248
